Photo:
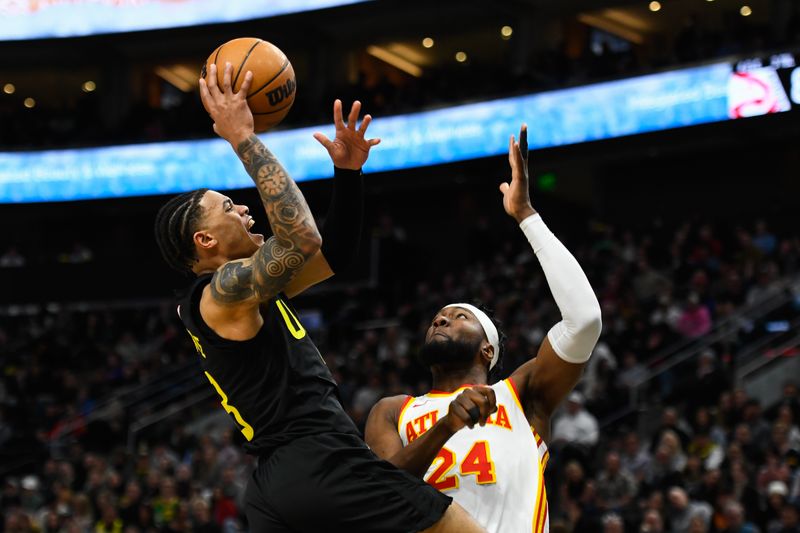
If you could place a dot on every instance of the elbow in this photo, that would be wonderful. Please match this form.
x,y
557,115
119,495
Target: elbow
x,y
311,245
591,323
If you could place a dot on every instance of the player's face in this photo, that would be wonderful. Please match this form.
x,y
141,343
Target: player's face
x,y
454,336
230,225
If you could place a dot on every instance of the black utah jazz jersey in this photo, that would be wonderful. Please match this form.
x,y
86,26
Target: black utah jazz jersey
x,y
275,386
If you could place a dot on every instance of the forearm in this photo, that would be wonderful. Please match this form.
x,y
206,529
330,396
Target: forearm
x,y
419,454
573,338
341,232
289,216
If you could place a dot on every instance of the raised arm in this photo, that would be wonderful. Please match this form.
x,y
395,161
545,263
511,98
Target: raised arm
x,y
247,282
546,380
341,231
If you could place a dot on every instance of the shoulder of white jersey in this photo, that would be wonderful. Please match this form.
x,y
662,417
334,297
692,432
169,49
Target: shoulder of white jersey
x,y
509,385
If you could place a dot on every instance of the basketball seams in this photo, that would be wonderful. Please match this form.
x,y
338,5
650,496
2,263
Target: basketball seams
x,y
246,57
216,57
266,58
274,110
283,67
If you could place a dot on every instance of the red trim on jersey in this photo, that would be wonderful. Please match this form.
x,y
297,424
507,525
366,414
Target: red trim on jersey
x,y
538,519
514,386
401,411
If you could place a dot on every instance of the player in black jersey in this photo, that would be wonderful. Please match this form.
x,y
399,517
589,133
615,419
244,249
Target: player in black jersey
x,y
314,471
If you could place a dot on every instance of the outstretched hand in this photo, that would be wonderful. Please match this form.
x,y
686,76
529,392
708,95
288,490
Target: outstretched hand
x,y
516,195
349,149
233,120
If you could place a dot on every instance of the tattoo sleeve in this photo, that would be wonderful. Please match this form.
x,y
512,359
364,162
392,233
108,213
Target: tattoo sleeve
x,y
295,234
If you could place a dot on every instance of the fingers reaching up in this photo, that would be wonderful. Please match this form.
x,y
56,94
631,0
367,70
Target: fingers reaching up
x,y
350,148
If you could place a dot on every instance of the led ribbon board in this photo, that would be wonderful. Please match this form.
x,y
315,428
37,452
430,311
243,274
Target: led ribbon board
x,y
38,19
602,111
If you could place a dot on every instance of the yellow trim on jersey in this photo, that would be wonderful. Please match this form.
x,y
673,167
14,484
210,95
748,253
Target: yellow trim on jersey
x,y
513,390
539,443
402,412
286,313
540,505
246,429
197,345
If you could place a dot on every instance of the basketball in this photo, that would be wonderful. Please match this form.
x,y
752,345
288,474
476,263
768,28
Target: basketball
x,y
272,92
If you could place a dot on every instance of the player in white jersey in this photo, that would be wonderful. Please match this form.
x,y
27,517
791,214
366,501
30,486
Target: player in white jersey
x,y
486,445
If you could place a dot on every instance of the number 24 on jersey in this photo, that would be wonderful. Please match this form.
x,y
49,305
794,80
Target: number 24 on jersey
x,y
477,462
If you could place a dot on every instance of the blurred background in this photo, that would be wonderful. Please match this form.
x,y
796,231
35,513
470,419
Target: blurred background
x,y
664,155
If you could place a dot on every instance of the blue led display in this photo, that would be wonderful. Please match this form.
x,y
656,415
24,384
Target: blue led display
x,y
601,111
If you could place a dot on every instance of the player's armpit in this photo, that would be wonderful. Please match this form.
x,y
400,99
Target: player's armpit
x,y
381,432
543,383
316,270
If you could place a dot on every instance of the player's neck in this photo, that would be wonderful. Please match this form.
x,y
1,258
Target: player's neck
x,y
448,379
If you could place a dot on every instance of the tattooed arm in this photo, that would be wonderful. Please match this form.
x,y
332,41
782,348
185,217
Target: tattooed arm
x,y
237,287
295,234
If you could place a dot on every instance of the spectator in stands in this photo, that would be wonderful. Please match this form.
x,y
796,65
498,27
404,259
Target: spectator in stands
x,y
613,523
682,510
743,488
130,501
785,417
790,520
693,473
632,372
706,449
763,239
774,468
790,399
653,522
672,421
201,518
576,425
695,320
667,464
766,285
735,520
109,521
615,487
777,491
759,428
634,457
166,504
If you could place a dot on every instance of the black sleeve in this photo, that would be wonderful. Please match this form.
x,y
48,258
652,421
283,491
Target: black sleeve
x,y
341,232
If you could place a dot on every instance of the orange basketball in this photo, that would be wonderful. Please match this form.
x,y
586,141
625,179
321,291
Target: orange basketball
x,y
272,92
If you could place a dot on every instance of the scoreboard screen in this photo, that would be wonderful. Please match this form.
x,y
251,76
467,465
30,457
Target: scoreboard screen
x,y
763,85
43,19
679,98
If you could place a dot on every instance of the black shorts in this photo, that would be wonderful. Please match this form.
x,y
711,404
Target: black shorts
x,y
333,482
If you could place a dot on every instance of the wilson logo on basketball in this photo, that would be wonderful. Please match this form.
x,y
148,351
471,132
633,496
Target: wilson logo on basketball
x,y
276,96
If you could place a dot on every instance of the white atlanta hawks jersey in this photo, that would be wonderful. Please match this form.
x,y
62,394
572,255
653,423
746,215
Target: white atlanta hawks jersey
x,y
496,471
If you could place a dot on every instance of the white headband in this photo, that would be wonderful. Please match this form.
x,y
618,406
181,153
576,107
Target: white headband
x,y
488,328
